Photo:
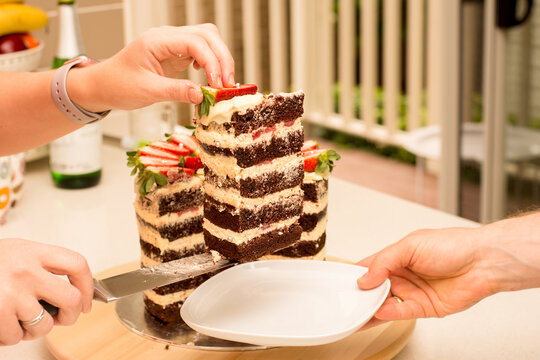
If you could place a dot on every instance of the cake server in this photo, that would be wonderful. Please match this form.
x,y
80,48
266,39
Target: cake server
x,y
118,286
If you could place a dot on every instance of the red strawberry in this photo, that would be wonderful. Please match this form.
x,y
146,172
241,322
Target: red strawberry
x,y
157,153
311,158
190,172
159,169
229,93
170,147
194,163
157,162
309,145
186,140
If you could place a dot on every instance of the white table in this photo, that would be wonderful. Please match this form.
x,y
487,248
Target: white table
x,y
100,223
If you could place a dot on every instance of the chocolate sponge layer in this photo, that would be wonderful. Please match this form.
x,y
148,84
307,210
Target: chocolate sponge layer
x,y
255,248
257,153
229,217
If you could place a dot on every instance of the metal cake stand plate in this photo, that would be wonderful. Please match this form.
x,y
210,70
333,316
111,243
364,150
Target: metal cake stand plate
x,y
131,312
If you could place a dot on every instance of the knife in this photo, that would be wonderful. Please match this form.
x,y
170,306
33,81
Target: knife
x,y
119,286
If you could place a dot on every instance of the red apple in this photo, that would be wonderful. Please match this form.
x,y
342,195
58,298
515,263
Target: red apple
x,y
16,42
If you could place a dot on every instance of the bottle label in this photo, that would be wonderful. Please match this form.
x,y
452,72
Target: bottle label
x,y
77,153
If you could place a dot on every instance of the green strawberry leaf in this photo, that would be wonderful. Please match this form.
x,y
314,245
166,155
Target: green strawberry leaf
x,y
160,179
182,162
325,162
208,100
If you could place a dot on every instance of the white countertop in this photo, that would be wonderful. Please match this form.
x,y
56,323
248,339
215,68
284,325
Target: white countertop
x,y
100,223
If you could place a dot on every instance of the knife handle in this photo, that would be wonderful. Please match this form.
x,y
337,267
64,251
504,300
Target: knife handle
x,y
51,309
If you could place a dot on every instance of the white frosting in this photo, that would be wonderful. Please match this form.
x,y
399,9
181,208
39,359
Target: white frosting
x,y
227,165
225,140
233,197
185,243
169,218
222,112
239,238
168,299
321,255
316,233
316,207
313,176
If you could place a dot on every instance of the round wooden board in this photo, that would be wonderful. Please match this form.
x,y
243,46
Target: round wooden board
x,y
101,335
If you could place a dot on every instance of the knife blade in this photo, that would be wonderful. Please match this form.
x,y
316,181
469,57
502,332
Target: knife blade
x,y
118,286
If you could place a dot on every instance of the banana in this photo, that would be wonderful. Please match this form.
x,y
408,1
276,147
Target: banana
x,y
20,18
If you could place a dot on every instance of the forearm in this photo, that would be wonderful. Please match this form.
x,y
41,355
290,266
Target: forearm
x,y
509,251
28,115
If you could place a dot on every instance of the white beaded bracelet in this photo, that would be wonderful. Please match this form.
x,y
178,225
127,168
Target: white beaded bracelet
x,y
61,98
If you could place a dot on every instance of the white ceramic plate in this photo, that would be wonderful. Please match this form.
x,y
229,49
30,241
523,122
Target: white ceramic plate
x,y
283,303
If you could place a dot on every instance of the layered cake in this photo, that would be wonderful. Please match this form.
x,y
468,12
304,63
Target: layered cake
x,y
169,210
250,145
318,163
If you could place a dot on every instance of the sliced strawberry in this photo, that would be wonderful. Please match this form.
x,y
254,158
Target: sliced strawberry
x,y
170,147
160,169
186,140
157,162
193,162
190,172
311,158
157,153
309,145
229,93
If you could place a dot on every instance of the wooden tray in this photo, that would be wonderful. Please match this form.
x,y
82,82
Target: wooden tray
x,y
101,335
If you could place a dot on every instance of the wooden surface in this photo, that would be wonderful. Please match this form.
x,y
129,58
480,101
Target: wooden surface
x,y
101,335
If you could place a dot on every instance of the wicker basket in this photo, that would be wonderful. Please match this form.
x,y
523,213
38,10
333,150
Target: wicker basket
x,y
25,60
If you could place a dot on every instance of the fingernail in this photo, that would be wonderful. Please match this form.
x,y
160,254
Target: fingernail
x,y
231,79
194,95
214,79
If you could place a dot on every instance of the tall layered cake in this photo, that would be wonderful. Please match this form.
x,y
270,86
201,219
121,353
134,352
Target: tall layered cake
x,y
318,163
169,210
253,166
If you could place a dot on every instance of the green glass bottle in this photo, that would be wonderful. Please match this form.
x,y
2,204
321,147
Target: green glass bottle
x,y
75,159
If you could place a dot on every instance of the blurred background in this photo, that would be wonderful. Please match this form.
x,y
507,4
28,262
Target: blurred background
x,y
437,102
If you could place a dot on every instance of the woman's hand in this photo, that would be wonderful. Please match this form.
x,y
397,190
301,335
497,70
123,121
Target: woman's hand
x,y
444,271
28,273
145,71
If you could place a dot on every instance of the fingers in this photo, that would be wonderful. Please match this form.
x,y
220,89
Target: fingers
x,y
167,89
63,295
10,330
211,34
62,261
27,310
382,264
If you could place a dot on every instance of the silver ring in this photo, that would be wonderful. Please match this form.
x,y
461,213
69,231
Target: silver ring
x,y
398,299
35,320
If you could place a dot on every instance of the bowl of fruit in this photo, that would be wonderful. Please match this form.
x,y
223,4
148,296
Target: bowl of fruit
x,y
19,50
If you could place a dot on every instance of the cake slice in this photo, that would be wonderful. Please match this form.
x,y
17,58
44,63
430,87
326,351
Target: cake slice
x,y
169,210
251,151
318,163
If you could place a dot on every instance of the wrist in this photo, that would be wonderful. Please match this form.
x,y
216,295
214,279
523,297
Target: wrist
x,y
509,253
84,89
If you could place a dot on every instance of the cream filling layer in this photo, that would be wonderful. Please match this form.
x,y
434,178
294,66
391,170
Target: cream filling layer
x,y
317,232
169,218
233,197
321,255
222,112
226,140
168,299
315,207
227,165
245,236
152,236
184,243
313,176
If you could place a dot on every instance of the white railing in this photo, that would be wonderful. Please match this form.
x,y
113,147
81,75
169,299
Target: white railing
x,y
313,46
